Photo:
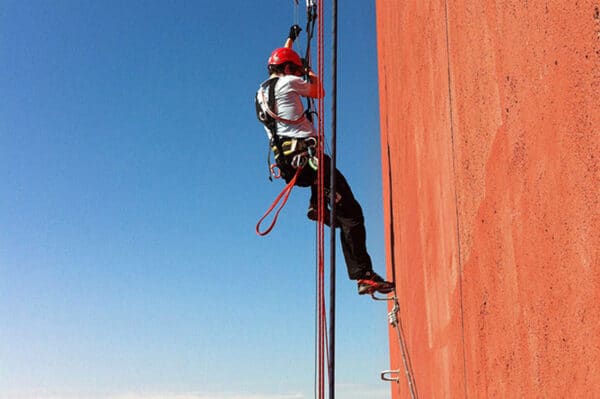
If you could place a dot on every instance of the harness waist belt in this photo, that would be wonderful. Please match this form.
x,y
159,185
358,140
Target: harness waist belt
x,y
291,146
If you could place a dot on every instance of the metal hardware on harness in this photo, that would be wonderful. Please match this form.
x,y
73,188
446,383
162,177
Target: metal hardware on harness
x,y
311,144
301,151
311,148
384,376
275,171
299,160
291,146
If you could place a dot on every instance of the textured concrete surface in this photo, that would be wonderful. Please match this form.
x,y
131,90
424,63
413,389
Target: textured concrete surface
x,y
490,125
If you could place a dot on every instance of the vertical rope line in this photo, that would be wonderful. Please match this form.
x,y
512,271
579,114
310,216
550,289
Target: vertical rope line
x,y
460,267
317,315
391,206
332,199
321,209
408,371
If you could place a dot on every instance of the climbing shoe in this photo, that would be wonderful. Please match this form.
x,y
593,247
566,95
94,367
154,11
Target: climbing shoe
x,y
313,215
372,283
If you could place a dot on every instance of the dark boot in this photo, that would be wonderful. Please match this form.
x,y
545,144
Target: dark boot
x,y
372,282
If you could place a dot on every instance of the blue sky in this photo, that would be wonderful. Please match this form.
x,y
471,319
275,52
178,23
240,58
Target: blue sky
x,y
132,173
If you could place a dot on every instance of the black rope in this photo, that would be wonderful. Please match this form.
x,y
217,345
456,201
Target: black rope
x,y
311,18
391,205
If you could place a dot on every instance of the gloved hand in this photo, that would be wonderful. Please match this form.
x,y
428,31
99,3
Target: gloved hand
x,y
294,32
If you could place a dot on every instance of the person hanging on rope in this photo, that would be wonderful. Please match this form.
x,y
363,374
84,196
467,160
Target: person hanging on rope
x,y
293,138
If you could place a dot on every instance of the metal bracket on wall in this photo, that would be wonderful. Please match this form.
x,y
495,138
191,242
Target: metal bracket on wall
x,y
387,375
387,298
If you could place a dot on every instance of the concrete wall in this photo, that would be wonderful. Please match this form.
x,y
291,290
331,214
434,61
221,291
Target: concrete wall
x,y
490,118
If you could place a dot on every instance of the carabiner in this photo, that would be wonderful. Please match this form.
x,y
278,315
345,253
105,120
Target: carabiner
x,y
299,160
275,171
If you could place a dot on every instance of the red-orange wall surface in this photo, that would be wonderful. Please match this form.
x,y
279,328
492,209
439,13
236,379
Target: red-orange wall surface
x,y
490,132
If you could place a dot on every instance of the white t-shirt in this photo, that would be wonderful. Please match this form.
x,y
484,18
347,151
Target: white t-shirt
x,y
289,90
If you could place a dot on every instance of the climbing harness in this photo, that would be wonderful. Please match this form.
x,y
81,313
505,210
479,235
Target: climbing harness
x,y
266,114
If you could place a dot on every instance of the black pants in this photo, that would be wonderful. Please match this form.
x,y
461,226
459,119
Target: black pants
x,y
349,217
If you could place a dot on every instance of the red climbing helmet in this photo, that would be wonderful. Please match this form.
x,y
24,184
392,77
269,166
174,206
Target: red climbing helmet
x,y
282,55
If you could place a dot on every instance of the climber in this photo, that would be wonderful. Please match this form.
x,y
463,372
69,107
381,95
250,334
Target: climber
x,y
293,138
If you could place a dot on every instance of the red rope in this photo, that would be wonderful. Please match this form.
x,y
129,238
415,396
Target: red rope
x,y
322,318
285,193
